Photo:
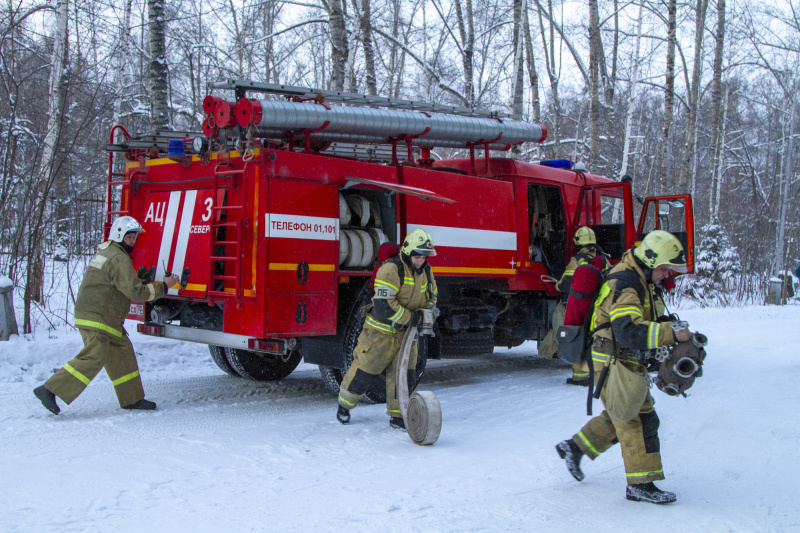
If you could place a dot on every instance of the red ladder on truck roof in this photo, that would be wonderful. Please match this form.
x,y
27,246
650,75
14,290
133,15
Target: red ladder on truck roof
x,y
224,171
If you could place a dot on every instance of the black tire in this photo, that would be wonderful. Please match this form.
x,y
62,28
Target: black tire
x,y
262,367
218,356
467,343
332,377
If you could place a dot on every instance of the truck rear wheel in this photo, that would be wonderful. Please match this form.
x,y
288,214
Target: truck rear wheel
x,y
218,356
467,343
262,367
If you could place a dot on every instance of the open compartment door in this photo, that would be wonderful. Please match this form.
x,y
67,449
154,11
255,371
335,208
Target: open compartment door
x,y
673,214
608,210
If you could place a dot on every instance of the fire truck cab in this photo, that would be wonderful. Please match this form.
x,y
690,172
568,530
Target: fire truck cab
x,y
274,215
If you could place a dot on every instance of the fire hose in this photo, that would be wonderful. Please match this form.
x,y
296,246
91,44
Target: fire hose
x,y
421,412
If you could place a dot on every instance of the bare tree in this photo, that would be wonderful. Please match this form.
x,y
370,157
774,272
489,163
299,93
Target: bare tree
x,y
716,95
669,94
339,48
158,73
694,91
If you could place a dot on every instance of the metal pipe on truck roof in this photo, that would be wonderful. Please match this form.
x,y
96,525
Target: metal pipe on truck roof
x,y
385,124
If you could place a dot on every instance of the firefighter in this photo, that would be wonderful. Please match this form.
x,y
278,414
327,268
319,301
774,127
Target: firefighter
x,y
402,288
104,298
624,325
586,242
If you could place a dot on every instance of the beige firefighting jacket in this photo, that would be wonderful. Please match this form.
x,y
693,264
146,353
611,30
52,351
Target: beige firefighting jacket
x,y
633,321
394,302
108,287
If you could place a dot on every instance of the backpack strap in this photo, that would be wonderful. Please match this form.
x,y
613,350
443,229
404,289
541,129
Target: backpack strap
x,y
625,279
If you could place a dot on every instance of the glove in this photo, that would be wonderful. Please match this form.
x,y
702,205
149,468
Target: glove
x,y
668,318
144,275
416,319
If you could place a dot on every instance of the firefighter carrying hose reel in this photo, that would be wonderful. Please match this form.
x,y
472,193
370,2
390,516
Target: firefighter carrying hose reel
x,y
405,297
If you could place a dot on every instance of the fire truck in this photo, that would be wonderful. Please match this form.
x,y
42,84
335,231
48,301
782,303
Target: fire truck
x,y
274,214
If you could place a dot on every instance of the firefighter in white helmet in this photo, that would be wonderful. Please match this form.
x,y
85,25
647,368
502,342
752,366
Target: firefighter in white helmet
x,y
109,285
586,243
625,325
403,286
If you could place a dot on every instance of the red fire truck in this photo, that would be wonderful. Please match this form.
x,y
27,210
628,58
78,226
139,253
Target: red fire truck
x,y
274,215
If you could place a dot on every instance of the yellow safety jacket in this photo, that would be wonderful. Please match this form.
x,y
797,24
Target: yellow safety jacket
x,y
108,287
627,316
395,301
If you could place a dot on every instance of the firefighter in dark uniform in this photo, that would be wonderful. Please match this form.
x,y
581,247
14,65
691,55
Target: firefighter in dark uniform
x,y
104,298
402,288
586,241
625,325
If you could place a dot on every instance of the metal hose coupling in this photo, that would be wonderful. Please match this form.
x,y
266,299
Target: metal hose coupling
x,y
685,367
699,339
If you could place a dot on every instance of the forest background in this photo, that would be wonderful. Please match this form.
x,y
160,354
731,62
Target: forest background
x,y
697,96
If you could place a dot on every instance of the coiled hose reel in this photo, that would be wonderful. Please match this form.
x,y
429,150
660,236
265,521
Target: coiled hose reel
x,y
681,365
421,412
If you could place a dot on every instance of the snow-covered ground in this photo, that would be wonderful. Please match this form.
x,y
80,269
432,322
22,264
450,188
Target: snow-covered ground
x,y
226,454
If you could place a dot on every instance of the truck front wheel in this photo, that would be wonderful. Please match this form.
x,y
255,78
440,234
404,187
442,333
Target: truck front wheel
x,y
262,367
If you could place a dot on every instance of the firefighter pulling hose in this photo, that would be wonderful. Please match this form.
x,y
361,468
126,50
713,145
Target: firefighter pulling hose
x,y
422,412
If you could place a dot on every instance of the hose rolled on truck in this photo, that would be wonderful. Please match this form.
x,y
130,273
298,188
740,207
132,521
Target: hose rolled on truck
x,y
421,412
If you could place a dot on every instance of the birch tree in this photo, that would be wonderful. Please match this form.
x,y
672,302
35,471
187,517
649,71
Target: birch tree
x,y
46,172
158,72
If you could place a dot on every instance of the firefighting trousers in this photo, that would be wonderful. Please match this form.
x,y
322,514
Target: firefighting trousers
x,y
375,354
548,347
641,449
115,354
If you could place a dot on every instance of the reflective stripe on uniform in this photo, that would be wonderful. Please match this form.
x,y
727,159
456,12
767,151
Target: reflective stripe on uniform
x,y
605,290
80,377
580,374
625,311
344,400
397,315
408,280
600,357
381,283
587,443
98,325
127,377
394,411
652,335
644,474
425,286
380,325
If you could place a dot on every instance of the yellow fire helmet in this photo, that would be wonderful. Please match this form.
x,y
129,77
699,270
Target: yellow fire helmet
x,y
661,248
585,235
418,242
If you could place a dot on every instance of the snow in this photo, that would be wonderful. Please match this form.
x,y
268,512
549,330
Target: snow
x,y
5,282
226,454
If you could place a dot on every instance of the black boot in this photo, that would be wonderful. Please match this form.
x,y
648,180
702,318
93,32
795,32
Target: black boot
x,y
579,382
343,415
47,398
648,492
397,422
141,405
571,454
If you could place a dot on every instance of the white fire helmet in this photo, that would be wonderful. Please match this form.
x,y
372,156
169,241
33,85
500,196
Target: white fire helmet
x,y
122,226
